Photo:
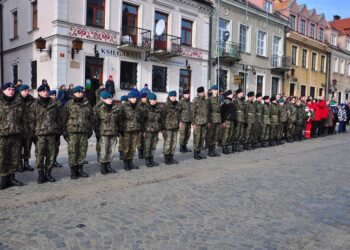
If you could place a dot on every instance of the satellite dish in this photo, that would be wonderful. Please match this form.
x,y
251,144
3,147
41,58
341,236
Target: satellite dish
x,y
160,27
226,36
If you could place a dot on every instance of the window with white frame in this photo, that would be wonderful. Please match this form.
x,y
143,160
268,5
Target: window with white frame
x,y
342,67
313,61
244,38
302,26
321,34
336,65
304,59
312,30
261,48
223,26
34,14
348,45
334,40
294,55
14,24
322,66
268,6
292,22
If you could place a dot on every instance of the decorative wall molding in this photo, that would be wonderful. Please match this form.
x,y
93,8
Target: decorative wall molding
x,y
93,34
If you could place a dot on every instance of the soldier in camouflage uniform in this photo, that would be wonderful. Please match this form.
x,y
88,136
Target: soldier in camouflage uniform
x,y
240,122
123,101
258,121
185,121
140,145
152,125
283,122
27,140
131,119
266,121
171,122
199,111
274,118
300,121
214,123
45,125
228,117
12,128
106,118
250,118
291,119
77,127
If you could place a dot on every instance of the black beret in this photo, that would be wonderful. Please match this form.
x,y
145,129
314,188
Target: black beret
x,y
258,95
186,92
200,90
250,94
43,87
8,85
239,91
227,93
266,97
273,98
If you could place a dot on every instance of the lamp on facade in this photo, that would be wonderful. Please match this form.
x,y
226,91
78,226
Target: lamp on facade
x,y
97,54
40,45
77,45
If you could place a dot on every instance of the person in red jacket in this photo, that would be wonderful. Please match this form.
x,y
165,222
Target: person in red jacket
x,y
308,124
317,119
323,115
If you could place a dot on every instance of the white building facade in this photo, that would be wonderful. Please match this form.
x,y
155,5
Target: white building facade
x,y
118,38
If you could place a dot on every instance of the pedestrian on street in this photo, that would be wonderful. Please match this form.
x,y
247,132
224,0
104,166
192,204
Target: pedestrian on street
x,y
109,86
62,95
342,118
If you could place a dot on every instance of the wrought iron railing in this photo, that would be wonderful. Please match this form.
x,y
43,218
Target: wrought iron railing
x,y
136,37
228,50
168,43
280,61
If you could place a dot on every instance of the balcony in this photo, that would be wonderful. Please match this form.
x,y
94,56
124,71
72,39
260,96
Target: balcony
x,y
228,52
135,39
166,46
280,63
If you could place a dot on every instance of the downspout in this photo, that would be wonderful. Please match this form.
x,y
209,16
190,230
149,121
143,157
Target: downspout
x,y
210,44
1,45
328,74
286,30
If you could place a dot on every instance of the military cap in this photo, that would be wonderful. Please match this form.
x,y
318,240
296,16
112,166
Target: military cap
x,y
152,96
266,97
43,87
23,87
227,93
52,92
214,87
239,91
124,98
132,94
273,98
172,93
8,85
200,89
78,89
250,94
258,95
186,92
143,95
105,95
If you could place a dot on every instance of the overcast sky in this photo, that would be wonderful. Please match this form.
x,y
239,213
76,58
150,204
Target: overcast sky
x,y
329,7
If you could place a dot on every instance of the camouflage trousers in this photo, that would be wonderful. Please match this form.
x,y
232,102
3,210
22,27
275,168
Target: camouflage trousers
x,y
257,132
140,142
273,132
151,141
108,144
199,134
213,134
170,140
239,132
77,148
227,133
249,133
184,133
10,154
98,146
120,148
57,146
299,131
290,130
26,146
45,150
282,128
265,132
129,144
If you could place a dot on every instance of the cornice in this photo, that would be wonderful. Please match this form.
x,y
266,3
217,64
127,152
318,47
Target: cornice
x,y
185,4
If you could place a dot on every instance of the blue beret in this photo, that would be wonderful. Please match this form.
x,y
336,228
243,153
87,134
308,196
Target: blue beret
x,y
43,87
124,98
8,85
78,89
105,95
143,95
132,94
52,92
23,87
172,93
214,87
152,96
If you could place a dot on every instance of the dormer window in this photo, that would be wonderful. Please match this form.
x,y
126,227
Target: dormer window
x,y
302,26
268,6
334,40
312,30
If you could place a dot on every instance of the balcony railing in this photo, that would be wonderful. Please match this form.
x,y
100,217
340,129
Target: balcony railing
x,y
280,62
167,45
228,52
135,39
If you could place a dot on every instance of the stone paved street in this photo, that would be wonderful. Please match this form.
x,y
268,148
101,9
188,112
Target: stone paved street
x,y
296,196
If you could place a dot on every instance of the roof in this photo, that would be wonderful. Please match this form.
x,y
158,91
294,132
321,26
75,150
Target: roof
x,y
342,25
283,5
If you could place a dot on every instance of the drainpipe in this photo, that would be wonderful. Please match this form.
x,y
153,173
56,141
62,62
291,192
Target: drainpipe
x,y
328,74
1,45
210,43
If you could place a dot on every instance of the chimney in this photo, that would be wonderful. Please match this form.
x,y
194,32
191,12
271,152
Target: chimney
x,y
336,17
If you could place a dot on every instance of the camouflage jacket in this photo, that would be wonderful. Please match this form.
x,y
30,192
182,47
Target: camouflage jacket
x,y
171,117
185,110
131,117
12,117
28,101
106,119
45,118
240,110
152,118
199,111
258,111
250,112
214,107
283,114
291,113
266,114
301,115
78,117
274,114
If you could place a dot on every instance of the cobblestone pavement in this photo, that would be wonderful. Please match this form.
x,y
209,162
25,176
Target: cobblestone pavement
x,y
296,196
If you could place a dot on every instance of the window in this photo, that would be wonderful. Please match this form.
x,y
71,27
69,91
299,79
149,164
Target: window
x,y
95,13
322,67
223,26
336,65
243,33
185,81
276,45
33,71
313,62
320,92
223,77
129,23
268,6
259,84
302,90
334,40
128,75
304,58
34,15
292,22
312,30
342,67
321,34
15,24
348,69
302,26
15,73
159,78
347,96
312,92
291,89
348,45
261,48
294,55
339,97
186,32
275,85
160,42
243,76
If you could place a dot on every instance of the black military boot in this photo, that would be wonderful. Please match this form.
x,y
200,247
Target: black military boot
x,y
121,155
201,155
196,156
215,152
132,165
187,150
182,149
104,168
167,160
109,169
172,160
148,162
85,162
81,172
140,153
245,146
57,165
210,152
26,165
41,177
20,167
73,172
225,150
48,175
4,182
14,182
153,162
126,165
